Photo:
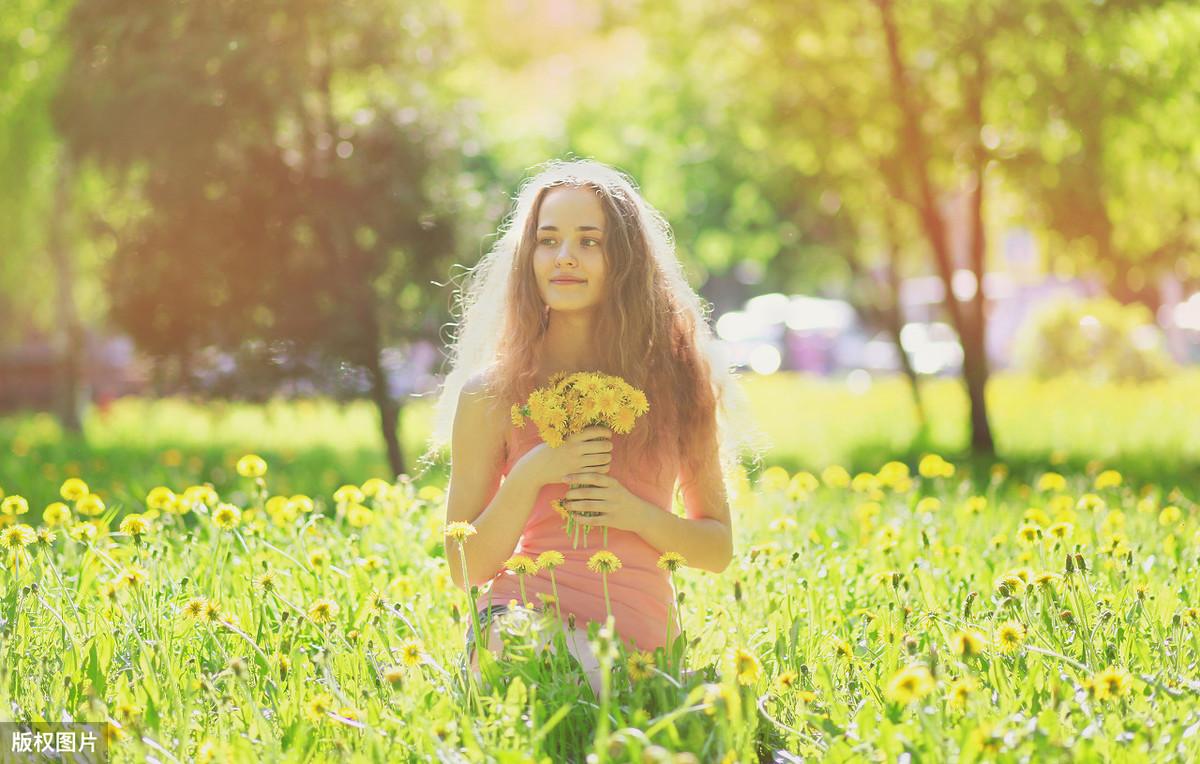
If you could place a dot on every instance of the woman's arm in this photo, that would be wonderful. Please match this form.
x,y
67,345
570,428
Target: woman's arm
x,y
705,536
477,452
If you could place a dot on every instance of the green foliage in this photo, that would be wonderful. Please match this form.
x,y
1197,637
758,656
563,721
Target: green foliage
x,y
1099,338
836,587
292,167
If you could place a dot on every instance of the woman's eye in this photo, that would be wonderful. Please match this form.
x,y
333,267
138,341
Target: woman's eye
x,y
552,242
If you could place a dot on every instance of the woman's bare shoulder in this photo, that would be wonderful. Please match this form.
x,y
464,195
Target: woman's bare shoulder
x,y
480,404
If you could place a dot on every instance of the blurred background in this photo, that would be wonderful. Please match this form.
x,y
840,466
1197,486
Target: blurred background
x,y
971,227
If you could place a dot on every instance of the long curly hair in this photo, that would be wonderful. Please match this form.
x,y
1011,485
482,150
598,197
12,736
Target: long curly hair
x,y
651,326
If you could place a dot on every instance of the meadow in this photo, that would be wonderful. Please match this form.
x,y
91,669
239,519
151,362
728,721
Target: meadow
x,y
224,581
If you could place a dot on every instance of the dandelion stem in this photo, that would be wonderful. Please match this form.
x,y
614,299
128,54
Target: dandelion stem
x,y
462,558
607,605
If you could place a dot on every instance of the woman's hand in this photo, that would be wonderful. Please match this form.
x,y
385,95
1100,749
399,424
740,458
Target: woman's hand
x,y
616,506
588,451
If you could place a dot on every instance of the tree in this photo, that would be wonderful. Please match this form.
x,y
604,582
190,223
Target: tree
x,y
38,205
292,169
1100,137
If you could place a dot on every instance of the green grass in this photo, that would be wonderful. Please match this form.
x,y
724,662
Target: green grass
x,y
835,589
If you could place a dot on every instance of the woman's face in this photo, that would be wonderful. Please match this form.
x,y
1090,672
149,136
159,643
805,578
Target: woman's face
x,y
568,260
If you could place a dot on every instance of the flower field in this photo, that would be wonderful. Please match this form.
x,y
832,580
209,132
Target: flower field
x,y
209,604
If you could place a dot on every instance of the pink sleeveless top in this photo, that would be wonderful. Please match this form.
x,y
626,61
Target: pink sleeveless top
x,y
639,592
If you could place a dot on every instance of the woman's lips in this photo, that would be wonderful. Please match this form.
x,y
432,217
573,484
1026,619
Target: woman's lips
x,y
566,281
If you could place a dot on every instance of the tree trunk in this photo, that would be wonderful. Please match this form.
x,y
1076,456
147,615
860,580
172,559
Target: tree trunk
x,y
975,341
70,384
975,371
389,414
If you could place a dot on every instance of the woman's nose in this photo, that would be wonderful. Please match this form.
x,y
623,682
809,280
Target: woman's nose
x,y
565,254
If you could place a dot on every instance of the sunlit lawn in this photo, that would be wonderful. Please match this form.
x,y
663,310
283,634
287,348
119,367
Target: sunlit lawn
x,y
1038,609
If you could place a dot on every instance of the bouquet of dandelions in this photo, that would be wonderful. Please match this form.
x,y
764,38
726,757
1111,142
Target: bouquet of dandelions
x,y
570,403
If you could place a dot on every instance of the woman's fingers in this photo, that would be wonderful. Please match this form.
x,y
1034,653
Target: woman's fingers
x,y
598,520
597,447
595,431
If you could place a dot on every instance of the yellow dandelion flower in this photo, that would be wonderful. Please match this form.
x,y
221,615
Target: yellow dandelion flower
x,y
319,559
968,643
302,503
1009,636
267,582
1090,502
893,472
196,494
374,487
910,683
559,506
1107,479
842,649
933,465
1111,683
639,665
1028,534
460,530
774,479
226,516
929,504
604,561
786,682
251,466
801,485
960,691
73,489
160,498
57,514
14,505
135,525
623,420
133,576
17,536
212,611
1036,515
516,415
319,707
323,611
1010,585
976,504
1170,515
412,653
550,559
1047,580
671,561
521,565
746,667
359,516
82,532
1051,481
194,608
1061,531
835,476
637,400
608,400
349,494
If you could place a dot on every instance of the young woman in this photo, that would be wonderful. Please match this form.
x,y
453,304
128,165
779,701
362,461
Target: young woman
x,y
585,278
